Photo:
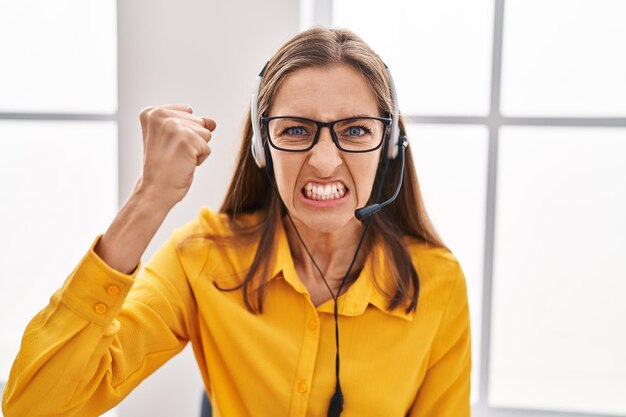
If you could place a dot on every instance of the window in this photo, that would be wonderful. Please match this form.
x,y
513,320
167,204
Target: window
x,y
517,119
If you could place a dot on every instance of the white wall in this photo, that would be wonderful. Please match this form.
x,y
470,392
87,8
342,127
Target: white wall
x,y
206,54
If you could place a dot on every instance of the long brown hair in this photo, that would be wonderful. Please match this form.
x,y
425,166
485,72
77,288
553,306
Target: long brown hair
x,y
250,189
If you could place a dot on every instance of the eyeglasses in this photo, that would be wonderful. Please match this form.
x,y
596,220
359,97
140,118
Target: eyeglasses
x,y
299,134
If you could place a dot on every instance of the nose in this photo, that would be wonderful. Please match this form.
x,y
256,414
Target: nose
x,y
325,157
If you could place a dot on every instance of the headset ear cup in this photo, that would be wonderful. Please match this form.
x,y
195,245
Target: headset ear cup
x,y
257,139
257,151
386,159
392,141
393,145
256,144
395,129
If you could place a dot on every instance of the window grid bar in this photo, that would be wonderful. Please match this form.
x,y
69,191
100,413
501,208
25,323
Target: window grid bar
x,y
492,174
59,116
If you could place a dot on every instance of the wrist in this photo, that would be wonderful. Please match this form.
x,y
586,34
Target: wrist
x,y
150,198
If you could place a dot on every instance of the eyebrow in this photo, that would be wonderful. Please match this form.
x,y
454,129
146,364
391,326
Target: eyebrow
x,y
362,115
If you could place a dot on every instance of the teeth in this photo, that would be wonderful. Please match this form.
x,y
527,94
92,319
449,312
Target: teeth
x,y
327,192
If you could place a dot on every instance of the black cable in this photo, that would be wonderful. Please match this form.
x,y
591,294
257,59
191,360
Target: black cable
x,y
336,401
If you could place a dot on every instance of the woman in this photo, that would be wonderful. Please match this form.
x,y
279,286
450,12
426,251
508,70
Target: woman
x,y
293,306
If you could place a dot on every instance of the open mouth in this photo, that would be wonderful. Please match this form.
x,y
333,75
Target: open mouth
x,y
323,192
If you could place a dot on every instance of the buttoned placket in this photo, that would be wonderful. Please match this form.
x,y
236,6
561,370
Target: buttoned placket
x,y
306,361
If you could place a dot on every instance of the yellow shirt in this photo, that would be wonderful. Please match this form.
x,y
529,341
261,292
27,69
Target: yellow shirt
x,y
105,331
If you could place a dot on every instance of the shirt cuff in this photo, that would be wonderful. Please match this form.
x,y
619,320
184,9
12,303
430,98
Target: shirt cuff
x,y
96,291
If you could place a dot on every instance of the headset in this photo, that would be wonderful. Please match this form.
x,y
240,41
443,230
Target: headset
x,y
397,144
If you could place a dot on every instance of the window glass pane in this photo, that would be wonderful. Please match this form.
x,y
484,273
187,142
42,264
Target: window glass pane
x,y
564,58
58,56
439,52
451,164
558,338
59,187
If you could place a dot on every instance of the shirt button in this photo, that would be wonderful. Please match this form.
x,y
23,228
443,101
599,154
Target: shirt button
x,y
312,324
101,308
302,387
113,290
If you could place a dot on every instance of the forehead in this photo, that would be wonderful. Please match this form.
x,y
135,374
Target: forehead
x,y
325,93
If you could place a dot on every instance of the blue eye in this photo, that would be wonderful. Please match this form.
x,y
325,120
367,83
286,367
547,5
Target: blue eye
x,y
358,130
297,130
355,130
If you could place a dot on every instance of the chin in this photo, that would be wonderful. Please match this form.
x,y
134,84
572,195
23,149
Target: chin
x,y
324,222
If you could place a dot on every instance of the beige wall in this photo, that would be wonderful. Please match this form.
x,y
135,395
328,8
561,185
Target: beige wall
x,y
206,54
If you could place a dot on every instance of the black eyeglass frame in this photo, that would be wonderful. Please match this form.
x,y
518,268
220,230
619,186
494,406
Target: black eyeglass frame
x,y
330,125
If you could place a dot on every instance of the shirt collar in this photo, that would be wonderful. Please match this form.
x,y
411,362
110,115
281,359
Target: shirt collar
x,y
360,294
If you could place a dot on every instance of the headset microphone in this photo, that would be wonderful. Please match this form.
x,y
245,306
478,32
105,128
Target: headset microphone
x,y
367,211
